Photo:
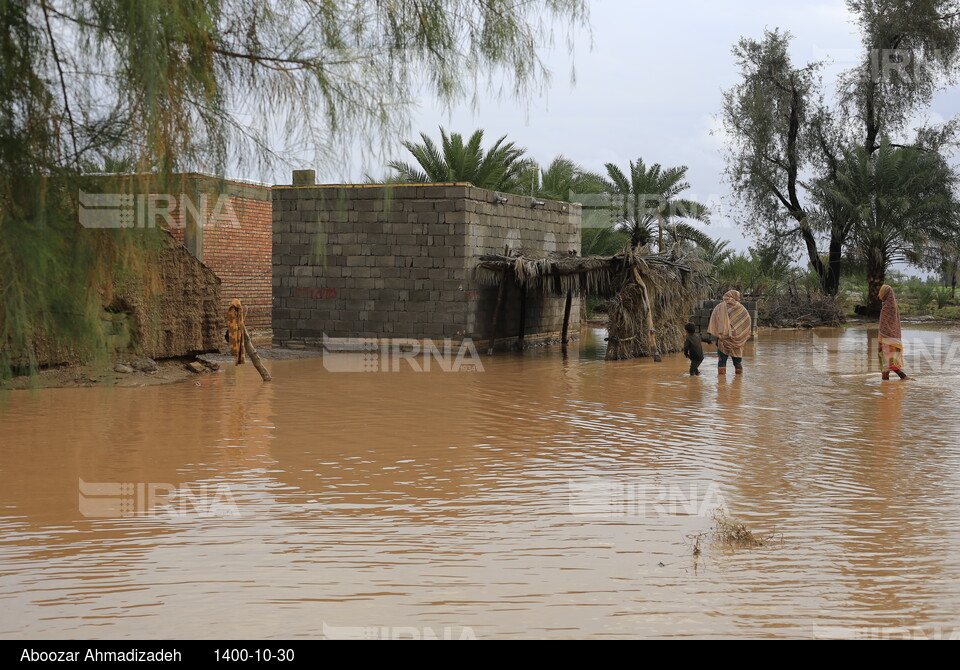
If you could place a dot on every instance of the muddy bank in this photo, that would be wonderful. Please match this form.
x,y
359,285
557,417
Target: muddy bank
x,y
167,371
923,321
162,371
266,353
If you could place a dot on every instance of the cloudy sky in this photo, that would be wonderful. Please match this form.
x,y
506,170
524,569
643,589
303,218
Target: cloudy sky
x,y
648,85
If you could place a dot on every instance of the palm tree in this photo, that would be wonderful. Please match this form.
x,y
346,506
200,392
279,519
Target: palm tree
x,y
649,204
499,168
901,201
716,252
568,181
603,241
565,180
756,272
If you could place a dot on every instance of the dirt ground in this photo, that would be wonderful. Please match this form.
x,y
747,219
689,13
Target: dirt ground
x,y
168,371
598,320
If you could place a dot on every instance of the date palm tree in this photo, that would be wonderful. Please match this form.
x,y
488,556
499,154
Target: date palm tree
x,y
650,204
567,180
901,201
499,168
716,252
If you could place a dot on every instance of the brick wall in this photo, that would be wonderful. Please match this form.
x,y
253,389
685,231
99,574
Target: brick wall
x,y
397,262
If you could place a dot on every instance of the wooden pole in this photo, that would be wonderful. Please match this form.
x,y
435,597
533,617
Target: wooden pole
x,y
254,356
566,321
496,312
523,316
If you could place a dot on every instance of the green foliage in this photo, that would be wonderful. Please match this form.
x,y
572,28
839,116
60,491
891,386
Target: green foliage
x,y
779,130
943,295
567,181
761,271
908,48
715,252
782,127
923,294
499,168
649,204
603,241
595,304
899,200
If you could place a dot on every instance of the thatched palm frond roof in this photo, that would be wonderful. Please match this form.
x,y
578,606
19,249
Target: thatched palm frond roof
x,y
556,274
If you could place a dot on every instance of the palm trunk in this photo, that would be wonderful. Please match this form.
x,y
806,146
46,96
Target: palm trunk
x,y
953,276
660,233
876,274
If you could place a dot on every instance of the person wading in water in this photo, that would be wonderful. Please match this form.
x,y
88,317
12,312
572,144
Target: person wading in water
x,y
731,325
890,347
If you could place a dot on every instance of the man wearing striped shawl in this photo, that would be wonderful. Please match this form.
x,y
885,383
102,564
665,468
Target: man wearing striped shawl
x,y
730,323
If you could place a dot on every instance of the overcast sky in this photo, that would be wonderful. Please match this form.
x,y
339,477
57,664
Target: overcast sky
x,y
649,86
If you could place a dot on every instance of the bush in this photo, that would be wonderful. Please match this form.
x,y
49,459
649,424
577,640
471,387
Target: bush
x,y
799,307
944,296
923,294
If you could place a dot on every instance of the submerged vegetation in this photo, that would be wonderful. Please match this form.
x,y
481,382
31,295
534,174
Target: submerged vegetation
x,y
730,533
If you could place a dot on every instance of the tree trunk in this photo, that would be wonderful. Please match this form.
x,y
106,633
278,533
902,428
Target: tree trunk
x,y
660,233
953,276
876,274
831,282
813,253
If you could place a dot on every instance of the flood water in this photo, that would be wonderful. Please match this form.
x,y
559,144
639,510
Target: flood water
x,y
535,496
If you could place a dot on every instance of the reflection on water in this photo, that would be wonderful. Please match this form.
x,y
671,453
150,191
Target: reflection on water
x,y
541,497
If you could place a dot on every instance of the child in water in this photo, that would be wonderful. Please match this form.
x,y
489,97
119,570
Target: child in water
x,y
693,349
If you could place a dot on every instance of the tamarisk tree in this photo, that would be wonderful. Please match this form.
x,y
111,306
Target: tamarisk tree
x,y
786,142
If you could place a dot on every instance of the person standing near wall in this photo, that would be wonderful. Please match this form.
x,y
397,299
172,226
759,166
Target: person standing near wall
x,y
731,325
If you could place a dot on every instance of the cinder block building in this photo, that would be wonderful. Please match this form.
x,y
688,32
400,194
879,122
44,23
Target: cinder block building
x,y
397,261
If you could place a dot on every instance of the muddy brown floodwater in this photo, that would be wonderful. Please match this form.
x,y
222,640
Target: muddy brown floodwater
x,y
536,496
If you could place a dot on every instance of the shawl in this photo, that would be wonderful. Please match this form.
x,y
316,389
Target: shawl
x,y
890,319
730,323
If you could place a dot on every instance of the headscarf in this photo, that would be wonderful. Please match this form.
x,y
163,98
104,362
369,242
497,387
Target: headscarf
x,y
890,319
730,322
236,330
